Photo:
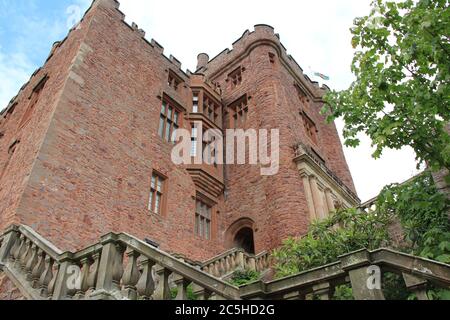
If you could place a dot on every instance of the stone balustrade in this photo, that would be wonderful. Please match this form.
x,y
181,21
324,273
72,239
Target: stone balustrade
x,y
236,259
119,267
122,267
358,270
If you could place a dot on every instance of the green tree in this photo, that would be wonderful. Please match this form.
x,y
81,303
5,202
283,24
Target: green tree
x,y
401,95
344,232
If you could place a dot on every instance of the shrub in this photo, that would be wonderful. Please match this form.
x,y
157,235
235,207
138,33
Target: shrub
x,y
244,277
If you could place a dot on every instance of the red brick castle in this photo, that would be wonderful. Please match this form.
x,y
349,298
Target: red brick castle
x,y
85,146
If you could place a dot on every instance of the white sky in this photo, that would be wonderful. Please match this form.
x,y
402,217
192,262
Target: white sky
x,y
315,33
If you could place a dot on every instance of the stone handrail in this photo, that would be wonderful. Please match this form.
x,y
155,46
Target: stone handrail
x,y
122,267
118,267
354,269
235,259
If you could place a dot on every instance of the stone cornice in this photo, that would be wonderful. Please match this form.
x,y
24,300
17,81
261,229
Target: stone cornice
x,y
310,166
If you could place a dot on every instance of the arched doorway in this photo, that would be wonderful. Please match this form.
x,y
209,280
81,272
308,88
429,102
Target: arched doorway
x,y
244,240
241,235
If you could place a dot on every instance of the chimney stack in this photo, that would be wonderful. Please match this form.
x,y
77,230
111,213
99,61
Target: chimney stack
x,y
203,60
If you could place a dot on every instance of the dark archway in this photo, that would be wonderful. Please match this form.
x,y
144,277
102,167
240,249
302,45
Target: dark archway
x,y
244,240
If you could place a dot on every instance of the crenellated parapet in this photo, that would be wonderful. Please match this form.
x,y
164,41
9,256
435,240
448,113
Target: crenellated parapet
x,y
262,35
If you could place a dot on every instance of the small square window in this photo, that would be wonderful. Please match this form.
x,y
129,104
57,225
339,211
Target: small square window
x,y
235,77
174,81
272,57
310,127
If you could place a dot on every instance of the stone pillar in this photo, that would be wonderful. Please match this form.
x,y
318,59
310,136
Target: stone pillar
x,y
108,261
9,240
251,264
359,268
361,290
62,290
309,198
318,200
417,286
330,202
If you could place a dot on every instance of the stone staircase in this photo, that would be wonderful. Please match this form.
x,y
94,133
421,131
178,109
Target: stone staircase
x,y
121,267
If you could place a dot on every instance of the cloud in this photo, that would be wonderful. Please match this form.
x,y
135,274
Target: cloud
x,y
15,70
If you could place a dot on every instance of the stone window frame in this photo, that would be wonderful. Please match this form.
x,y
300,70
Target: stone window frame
x,y
211,109
204,218
9,111
235,77
33,100
195,101
174,119
174,81
11,151
302,95
239,111
310,127
158,192
272,57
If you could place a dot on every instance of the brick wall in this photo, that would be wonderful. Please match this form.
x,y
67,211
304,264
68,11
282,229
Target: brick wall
x,y
84,164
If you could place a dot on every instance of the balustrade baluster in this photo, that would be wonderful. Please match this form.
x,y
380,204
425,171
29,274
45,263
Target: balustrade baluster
x,y
162,292
146,284
85,269
118,267
93,273
222,267
212,268
131,276
31,262
52,284
38,269
22,251
15,249
233,261
46,277
182,285
217,269
241,260
26,256
228,265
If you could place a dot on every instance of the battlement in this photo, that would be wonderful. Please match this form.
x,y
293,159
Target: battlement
x,y
263,34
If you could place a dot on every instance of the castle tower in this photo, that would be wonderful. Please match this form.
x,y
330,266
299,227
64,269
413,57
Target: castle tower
x,y
313,177
85,147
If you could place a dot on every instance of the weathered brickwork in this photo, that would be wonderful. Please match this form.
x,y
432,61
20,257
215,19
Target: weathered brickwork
x,y
84,163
